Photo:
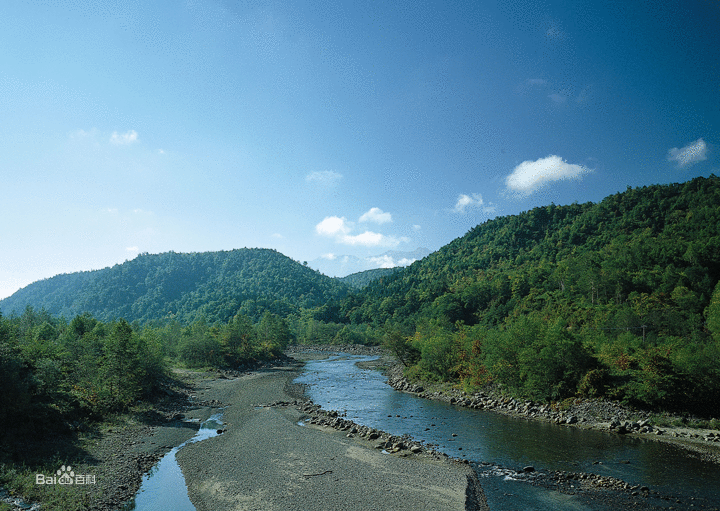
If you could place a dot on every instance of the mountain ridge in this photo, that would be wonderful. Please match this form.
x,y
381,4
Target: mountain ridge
x,y
152,287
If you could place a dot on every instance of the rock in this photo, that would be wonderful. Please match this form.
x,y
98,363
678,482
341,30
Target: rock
x,y
529,468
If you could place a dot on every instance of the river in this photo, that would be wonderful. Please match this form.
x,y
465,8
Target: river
x,y
163,487
499,446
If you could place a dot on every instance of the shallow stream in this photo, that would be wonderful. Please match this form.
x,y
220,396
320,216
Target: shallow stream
x,y
163,487
500,446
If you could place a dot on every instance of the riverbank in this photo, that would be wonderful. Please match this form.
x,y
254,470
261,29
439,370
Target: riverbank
x,y
596,489
598,414
113,456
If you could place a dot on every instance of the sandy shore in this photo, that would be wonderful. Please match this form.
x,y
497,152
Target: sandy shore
x,y
266,461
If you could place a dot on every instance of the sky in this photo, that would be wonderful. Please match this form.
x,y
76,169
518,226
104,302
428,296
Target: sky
x,y
323,129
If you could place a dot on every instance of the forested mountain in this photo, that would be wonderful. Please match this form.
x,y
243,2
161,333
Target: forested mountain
x,y
183,286
617,299
611,298
362,279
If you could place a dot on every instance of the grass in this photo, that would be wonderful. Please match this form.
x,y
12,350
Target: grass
x,y
21,481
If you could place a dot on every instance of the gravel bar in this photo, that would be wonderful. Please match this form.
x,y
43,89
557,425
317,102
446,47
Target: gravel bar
x,y
265,460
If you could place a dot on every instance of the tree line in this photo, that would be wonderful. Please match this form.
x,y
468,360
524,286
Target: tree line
x,y
54,372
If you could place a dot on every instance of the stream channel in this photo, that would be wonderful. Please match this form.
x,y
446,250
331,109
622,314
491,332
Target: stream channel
x,y
163,487
499,446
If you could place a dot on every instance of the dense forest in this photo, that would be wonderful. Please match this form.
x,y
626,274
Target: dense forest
x,y
56,373
617,299
158,288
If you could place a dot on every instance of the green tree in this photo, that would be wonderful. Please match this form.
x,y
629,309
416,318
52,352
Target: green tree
x,y
121,365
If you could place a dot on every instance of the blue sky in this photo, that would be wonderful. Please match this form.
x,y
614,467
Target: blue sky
x,y
321,128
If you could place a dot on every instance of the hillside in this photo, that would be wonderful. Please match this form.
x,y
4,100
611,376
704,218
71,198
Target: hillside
x,y
609,299
154,287
362,279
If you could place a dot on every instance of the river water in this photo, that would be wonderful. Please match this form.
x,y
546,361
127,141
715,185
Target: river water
x,y
163,487
500,446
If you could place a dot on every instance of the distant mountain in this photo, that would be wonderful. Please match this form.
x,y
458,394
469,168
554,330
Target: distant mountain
x,y
362,279
155,287
344,265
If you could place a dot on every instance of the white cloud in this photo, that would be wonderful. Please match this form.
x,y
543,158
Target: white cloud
x,y
323,177
126,138
132,249
339,228
384,261
372,239
376,215
416,228
330,256
475,201
690,154
277,235
387,261
529,176
557,98
367,239
333,226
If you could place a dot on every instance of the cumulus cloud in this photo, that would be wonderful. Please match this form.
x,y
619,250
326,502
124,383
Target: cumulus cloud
x,y
366,239
690,154
471,201
333,226
339,228
372,239
376,215
126,138
529,176
326,177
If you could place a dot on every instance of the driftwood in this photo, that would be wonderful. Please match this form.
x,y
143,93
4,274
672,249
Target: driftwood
x,y
320,474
